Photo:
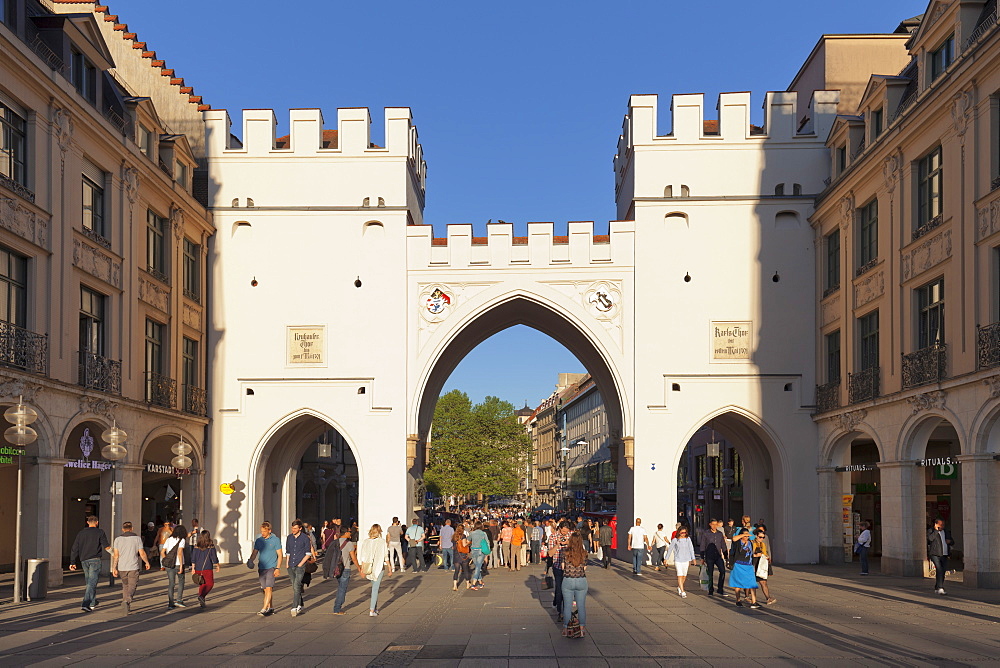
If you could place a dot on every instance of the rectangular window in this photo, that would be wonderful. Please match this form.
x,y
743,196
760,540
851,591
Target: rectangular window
x,y
92,308
929,181
83,75
156,245
877,121
154,347
868,340
7,13
868,233
942,57
192,270
833,357
833,261
189,369
13,146
930,314
182,174
93,207
841,159
13,288
145,141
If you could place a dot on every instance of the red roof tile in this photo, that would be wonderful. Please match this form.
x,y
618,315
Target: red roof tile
x,y
329,140
204,107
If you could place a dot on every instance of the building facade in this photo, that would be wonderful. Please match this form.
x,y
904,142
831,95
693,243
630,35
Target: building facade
x,y
907,238
102,263
590,467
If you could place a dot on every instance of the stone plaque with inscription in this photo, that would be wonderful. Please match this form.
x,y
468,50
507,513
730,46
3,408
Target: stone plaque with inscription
x,y
306,346
732,340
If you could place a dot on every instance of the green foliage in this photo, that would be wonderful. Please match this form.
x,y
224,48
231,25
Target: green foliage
x,y
476,449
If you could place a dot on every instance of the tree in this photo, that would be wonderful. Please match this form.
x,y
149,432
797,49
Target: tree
x,y
476,449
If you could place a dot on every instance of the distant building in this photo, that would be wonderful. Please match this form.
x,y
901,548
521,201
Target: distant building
x,y
590,470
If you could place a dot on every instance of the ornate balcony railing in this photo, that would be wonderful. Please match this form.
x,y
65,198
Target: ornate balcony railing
x,y
195,400
994,184
192,295
157,274
100,373
96,237
23,349
866,267
863,385
16,188
984,27
928,226
927,365
160,390
988,346
828,396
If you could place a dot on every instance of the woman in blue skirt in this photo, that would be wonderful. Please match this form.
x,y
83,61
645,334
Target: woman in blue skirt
x,y
743,578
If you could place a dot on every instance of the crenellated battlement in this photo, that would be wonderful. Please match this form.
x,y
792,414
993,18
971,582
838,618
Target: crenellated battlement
x,y
308,139
689,126
541,247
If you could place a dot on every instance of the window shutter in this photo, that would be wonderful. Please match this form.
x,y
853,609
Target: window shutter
x,y
93,172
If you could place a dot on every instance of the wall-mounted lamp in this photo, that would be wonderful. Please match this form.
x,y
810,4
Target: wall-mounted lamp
x,y
357,282
253,282
687,277
776,277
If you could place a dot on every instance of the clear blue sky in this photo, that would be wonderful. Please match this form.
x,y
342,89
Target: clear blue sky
x,y
518,104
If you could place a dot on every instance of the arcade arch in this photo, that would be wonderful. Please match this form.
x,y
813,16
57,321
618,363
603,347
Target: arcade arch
x,y
856,492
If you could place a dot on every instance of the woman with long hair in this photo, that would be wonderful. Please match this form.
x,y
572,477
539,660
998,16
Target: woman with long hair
x,y
204,563
574,584
373,552
682,552
172,561
463,560
659,546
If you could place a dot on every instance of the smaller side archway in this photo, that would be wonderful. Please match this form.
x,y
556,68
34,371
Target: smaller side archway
x,y
850,494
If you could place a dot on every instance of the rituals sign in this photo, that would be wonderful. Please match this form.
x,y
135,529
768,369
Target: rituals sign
x,y
731,340
306,346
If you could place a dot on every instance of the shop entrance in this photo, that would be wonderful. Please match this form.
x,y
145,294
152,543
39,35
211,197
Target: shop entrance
x,y
82,483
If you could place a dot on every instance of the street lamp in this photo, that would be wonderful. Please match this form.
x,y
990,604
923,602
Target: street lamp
x,y
114,451
180,462
565,481
19,435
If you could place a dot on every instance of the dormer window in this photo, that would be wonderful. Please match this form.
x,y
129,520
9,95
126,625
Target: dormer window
x,y
145,140
181,172
877,122
83,75
941,57
841,159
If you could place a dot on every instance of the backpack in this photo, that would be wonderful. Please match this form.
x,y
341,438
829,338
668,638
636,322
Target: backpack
x,y
170,559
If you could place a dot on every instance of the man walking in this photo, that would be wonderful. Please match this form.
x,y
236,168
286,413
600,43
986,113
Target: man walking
x,y
128,552
415,545
638,541
605,537
394,539
447,546
713,549
535,541
268,547
298,549
939,544
87,552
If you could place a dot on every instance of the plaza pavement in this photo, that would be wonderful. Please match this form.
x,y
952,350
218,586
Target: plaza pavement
x,y
825,616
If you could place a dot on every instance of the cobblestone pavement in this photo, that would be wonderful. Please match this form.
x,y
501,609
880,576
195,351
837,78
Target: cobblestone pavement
x,y
824,616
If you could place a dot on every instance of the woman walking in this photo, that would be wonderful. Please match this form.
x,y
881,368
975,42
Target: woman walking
x,y
506,534
659,545
682,551
574,585
743,579
479,548
762,564
463,559
172,561
348,555
373,553
204,564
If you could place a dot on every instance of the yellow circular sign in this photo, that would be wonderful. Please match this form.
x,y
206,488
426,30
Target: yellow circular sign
x,y
226,488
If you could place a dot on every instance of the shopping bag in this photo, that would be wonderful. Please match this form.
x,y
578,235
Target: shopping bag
x,y
702,574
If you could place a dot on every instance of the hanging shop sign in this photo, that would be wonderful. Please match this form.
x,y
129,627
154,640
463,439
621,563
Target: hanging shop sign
x,y
7,454
86,447
857,467
166,468
938,461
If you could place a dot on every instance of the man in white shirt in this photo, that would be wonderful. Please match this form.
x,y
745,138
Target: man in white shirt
x,y
638,541
415,545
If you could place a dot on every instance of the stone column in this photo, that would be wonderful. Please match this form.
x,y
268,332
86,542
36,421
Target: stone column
x,y
44,538
904,543
130,501
831,529
980,500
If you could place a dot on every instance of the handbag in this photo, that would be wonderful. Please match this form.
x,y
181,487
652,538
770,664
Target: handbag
x,y
762,567
367,568
198,578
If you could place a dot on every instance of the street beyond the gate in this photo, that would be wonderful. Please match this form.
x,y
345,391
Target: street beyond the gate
x,y
824,616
